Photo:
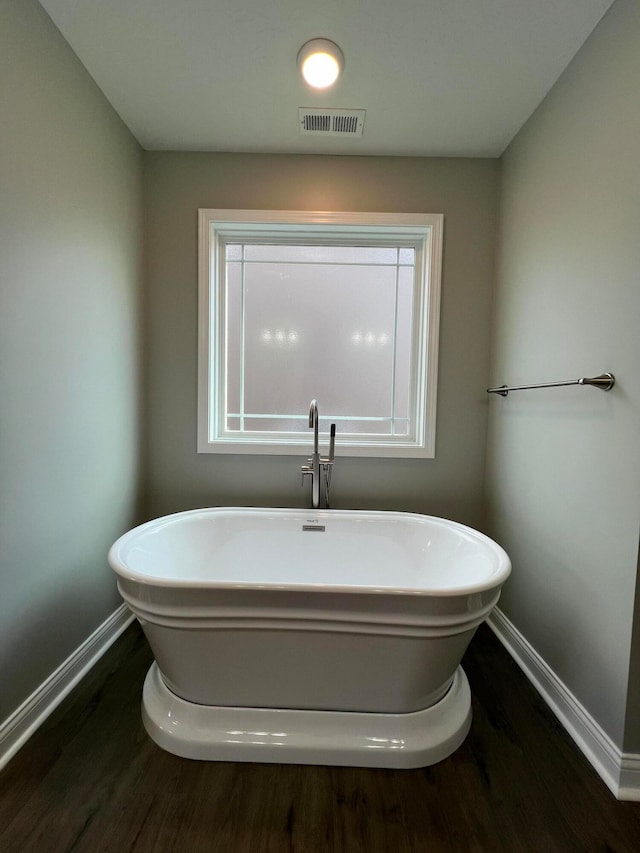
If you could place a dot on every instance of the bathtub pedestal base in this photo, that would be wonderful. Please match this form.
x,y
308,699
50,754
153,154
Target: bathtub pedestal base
x,y
284,736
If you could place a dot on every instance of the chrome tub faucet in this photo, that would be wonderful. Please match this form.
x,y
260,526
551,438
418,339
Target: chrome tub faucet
x,y
319,468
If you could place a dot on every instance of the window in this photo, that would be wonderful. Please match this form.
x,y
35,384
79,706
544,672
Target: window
x,y
340,307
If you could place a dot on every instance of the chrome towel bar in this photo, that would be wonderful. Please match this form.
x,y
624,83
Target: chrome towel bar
x,y
605,382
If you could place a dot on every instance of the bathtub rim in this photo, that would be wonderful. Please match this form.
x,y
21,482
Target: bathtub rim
x,y
493,581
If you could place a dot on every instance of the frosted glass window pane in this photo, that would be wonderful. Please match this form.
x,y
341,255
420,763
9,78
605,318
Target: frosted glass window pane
x,y
319,331
277,424
322,254
355,426
233,252
407,256
233,302
404,342
324,330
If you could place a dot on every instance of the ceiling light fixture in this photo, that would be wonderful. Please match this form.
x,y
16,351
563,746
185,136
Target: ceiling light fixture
x,y
320,62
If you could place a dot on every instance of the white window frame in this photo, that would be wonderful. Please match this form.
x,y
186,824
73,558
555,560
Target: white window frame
x,y
217,227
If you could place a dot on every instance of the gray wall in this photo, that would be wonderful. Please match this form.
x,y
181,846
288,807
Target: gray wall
x,y
177,184
70,243
563,469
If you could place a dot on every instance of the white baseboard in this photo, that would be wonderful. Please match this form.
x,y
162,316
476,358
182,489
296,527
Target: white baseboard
x,y
19,727
619,771
629,784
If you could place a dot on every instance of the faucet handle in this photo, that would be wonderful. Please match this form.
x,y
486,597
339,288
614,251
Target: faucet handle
x,y
332,443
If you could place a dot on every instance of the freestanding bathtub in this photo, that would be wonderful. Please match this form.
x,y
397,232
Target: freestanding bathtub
x,y
322,637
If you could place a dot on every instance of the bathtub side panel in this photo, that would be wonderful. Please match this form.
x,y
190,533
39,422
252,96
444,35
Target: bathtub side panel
x,y
312,670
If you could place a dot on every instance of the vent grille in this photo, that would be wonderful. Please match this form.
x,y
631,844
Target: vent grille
x,y
326,122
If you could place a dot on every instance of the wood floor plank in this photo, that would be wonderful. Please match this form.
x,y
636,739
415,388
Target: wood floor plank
x,y
91,780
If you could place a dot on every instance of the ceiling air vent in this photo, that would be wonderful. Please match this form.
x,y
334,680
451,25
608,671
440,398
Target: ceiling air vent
x,y
324,122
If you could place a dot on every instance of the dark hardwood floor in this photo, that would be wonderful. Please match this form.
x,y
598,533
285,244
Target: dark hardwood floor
x,y
91,780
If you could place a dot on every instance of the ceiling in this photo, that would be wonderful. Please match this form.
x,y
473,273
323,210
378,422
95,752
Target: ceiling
x,y
436,77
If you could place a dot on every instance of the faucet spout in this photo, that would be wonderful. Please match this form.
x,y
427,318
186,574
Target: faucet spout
x,y
318,468
313,423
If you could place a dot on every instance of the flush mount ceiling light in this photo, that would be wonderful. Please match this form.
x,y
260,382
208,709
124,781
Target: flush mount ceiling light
x,y
320,62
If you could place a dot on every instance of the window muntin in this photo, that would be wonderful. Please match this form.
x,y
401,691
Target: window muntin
x,y
344,310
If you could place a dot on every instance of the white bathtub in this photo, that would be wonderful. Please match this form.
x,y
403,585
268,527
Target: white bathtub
x,y
328,637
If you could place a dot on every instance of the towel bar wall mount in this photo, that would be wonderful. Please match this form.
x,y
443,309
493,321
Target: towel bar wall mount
x,y
605,382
